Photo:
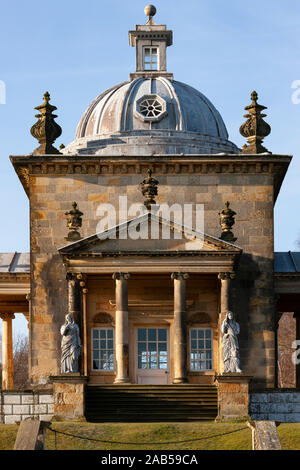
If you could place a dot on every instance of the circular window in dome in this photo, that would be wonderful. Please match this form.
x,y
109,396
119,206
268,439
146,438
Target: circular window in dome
x,y
151,108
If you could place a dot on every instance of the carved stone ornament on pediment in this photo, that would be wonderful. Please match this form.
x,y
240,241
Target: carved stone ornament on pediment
x,y
148,188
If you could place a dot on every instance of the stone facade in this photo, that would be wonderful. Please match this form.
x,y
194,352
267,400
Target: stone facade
x,y
18,406
251,185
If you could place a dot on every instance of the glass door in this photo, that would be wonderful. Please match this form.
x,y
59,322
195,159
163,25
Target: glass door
x,y
152,355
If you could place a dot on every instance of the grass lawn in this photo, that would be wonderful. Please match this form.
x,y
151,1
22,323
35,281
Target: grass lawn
x,y
153,432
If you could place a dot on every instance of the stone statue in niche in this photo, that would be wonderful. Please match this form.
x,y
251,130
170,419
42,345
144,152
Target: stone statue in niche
x,y
70,345
230,345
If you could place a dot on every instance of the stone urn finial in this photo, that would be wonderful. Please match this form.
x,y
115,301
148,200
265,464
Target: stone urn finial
x,y
46,130
227,221
255,129
148,188
74,222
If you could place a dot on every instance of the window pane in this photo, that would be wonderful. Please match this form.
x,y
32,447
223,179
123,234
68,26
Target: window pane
x,y
193,344
95,334
152,334
142,334
162,334
95,344
95,354
200,333
102,334
162,347
142,348
152,347
193,334
110,333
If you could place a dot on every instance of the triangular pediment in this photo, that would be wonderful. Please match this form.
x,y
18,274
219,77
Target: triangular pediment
x,y
148,233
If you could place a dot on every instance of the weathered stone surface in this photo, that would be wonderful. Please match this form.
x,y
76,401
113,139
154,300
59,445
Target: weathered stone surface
x,y
68,400
276,405
233,396
264,435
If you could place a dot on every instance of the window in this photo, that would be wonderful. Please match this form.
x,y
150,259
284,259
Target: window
x,y
103,349
151,108
150,58
152,348
201,349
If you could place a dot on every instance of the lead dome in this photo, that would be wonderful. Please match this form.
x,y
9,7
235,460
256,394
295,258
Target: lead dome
x,y
151,113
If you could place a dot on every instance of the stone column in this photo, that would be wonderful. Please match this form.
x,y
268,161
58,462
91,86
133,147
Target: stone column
x,y
85,345
7,352
73,297
180,333
225,306
121,329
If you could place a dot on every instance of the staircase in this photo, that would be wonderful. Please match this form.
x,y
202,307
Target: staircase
x,y
151,403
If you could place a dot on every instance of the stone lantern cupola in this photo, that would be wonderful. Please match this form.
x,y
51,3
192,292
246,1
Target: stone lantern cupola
x,y
151,41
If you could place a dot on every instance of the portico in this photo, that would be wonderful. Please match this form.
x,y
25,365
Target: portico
x,y
149,311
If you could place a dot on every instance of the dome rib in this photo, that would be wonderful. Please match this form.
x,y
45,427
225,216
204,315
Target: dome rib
x,y
180,124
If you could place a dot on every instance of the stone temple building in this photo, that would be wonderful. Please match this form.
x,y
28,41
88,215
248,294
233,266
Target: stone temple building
x,y
150,308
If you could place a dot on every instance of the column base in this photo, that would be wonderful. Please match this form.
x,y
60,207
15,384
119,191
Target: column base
x,y
233,396
180,380
122,381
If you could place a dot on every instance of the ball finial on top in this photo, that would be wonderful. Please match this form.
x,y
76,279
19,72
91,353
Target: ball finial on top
x,y
150,10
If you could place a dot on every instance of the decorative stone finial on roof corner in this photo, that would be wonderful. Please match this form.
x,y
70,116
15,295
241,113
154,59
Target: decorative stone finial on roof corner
x,y
46,130
74,222
255,129
227,221
148,188
150,11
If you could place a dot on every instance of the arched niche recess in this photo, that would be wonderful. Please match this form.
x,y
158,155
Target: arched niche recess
x,y
200,318
103,318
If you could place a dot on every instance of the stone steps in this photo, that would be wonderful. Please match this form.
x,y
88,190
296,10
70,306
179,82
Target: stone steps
x,y
151,403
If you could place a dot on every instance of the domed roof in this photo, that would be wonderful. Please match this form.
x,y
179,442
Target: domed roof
x,y
151,113
177,117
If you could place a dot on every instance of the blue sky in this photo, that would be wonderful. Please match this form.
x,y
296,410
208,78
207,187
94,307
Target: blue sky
x,y
77,49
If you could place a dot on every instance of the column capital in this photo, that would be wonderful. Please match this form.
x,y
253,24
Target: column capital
x,y
226,276
7,316
120,276
180,276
